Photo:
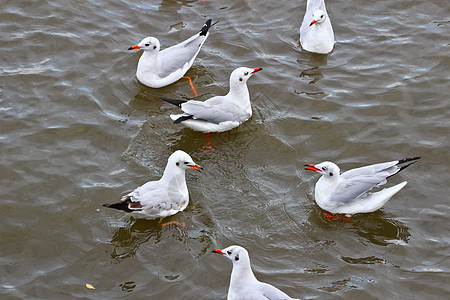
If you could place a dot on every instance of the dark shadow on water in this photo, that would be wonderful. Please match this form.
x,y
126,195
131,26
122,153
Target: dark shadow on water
x,y
377,228
313,62
195,237
126,240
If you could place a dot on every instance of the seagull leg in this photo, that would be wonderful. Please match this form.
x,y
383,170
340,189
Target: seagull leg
x,y
192,85
181,225
298,47
335,216
209,146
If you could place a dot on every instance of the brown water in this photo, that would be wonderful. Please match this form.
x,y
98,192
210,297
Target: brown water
x,y
78,130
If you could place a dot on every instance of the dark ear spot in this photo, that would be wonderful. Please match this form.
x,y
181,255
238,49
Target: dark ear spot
x,y
240,79
331,173
154,47
236,258
177,163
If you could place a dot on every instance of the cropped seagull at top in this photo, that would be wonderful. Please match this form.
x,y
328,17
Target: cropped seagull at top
x,y
348,193
164,197
160,68
219,113
316,32
243,284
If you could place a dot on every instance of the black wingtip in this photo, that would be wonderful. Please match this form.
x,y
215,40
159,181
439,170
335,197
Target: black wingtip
x,y
173,101
182,118
412,160
402,161
207,26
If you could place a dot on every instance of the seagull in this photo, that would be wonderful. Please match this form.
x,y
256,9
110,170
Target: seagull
x,y
316,32
243,284
219,113
160,68
164,197
348,193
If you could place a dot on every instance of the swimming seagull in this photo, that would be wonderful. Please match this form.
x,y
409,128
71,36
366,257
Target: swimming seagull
x,y
316,32
160,68
243,284
164,197
348,193
219,113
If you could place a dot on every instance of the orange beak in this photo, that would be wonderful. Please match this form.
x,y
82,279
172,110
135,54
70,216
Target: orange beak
x,y
312,167
135,47
196,167
256,70
313,22
219,251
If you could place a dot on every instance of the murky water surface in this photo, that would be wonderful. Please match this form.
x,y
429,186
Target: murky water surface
x,y
78,130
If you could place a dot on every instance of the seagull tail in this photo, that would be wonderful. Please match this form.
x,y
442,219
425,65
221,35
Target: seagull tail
x,y
207,26
173,101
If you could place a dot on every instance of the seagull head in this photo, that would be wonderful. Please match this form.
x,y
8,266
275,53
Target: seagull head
x,y
147,44
327,169
236,254
318,17
182,160
242,74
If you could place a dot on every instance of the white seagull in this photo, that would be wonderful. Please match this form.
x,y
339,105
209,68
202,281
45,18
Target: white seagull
x,y
348,193
164,197
219,113
316,32
160,68
243,284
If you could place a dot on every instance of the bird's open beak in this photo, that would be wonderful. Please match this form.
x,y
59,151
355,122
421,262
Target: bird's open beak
x,y
219,251
312,167
256,70
313,22
196,167
135,47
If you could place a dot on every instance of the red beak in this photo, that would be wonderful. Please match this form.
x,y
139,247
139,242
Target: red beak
x,y
219,251
256,70
312,167
313,22
196,167
135,47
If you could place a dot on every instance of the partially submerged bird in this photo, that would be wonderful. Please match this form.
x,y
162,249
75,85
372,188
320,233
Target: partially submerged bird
x,y
316,32
164,197
160,68
243,283
348,193
219,113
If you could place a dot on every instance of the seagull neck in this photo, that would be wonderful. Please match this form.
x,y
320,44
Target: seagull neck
x,y
239,91
173,174
149,59
242,274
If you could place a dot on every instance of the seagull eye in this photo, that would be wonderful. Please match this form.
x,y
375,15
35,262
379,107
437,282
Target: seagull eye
x,y
154,47
321,16
229,252
246,73
185,162
324,168
147,45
